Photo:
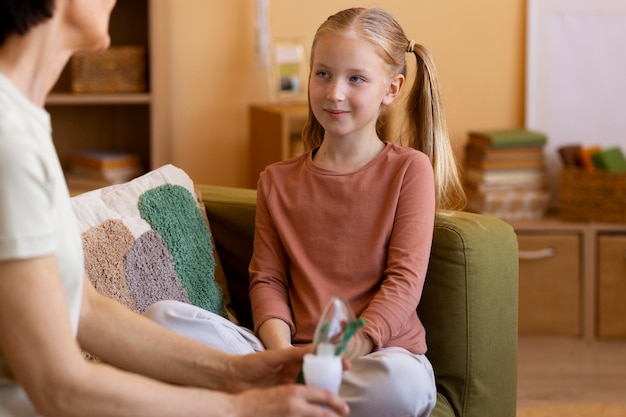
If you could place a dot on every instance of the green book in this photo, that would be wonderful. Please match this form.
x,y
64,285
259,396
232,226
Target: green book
x,y
508,138
611,159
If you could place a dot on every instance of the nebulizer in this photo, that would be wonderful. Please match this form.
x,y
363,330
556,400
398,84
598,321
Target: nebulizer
x,y
332,341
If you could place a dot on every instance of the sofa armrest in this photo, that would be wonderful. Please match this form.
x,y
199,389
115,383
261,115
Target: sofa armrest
x,y
469,310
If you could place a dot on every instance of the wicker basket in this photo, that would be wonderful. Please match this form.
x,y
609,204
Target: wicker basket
x,y
119,69
597,196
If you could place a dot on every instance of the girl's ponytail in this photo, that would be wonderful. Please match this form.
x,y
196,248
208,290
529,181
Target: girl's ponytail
x,y
428,131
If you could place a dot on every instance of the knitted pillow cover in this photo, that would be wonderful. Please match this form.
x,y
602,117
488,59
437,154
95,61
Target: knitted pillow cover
x,y
148,240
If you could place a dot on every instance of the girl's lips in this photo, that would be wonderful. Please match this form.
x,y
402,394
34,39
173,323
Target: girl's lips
x,y
335,113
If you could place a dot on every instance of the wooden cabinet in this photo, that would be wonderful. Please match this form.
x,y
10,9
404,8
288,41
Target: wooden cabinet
x,y
108,121
612,285
572,278
550,283
275,134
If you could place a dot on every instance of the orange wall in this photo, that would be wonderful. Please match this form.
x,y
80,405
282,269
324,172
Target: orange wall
x,y
212,75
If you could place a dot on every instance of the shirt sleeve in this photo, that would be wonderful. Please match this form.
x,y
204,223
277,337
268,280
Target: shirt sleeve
x,y
394,305
26,225
269,287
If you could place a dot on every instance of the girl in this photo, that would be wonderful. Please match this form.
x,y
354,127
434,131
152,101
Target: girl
x,y
49,310
354,216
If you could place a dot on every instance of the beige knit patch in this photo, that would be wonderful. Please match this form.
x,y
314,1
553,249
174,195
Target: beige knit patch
x,y
105,247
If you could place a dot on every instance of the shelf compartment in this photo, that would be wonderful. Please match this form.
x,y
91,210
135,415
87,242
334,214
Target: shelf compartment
x,y
120,128
611,285
550,285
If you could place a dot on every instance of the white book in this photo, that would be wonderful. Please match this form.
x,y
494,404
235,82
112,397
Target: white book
x,y
505,177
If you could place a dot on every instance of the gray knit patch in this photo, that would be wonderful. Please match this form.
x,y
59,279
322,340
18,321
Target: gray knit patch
x,y
150,273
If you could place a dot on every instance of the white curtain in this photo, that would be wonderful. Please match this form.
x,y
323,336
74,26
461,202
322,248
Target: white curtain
x,y
263,35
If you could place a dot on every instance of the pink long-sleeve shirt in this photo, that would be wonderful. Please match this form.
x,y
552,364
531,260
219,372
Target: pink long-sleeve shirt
x,y
365,235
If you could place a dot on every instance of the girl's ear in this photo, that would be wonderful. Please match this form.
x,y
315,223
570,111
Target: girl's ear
x,y
395,86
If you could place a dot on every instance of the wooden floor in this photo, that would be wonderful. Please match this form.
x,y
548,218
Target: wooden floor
x,y
568,370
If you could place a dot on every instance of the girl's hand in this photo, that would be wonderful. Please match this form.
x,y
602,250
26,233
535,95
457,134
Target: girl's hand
x,y
362,345
344,359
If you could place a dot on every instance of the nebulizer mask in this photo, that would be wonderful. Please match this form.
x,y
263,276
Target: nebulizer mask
x,y
332,341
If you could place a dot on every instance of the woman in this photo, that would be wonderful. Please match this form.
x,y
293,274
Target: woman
x,y
48,309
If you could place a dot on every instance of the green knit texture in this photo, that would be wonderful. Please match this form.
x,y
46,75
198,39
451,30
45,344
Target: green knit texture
x,y
171,210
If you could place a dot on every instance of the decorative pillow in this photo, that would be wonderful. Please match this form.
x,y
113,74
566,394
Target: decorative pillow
x,y
148,240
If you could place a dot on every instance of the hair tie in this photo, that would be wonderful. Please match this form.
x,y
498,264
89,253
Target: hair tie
x,y
411,46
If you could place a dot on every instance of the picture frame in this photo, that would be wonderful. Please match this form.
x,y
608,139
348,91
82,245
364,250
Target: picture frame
x,y
288,75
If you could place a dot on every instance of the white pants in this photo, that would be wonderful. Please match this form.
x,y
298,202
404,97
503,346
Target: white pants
x,y
391,382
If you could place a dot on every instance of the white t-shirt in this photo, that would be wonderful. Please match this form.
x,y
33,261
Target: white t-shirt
x,y
36,217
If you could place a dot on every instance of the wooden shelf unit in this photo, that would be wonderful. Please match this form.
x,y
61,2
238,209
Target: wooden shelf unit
x,y
275,134
578,289
109,122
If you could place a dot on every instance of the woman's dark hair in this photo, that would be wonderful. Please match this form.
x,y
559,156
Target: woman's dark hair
x,y
18,16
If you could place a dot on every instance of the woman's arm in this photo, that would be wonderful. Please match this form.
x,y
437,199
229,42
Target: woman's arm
x,y
129,341
38,345
132,342
40,349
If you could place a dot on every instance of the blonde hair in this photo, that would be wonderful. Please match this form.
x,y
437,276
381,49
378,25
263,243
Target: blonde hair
x,y
427,130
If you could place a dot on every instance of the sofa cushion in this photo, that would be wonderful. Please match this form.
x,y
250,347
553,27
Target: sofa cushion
x,y
148,240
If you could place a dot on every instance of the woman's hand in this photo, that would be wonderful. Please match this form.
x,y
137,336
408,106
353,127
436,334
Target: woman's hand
x,y
267,368
290,401
278,370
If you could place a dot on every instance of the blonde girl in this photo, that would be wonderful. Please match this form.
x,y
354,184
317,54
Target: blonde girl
x,y
353,217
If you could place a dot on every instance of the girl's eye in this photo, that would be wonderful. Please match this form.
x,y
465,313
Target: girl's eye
x,y
322,74
356,79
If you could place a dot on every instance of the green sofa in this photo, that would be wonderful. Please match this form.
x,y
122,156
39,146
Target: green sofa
x,y
469,304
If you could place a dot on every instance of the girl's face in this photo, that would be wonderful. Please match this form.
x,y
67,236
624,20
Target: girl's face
x,y
348,85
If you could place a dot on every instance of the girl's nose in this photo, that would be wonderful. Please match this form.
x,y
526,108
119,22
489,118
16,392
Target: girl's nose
x,y
335,91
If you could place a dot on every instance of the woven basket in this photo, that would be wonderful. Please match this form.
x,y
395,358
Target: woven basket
x,y
597,196
119,69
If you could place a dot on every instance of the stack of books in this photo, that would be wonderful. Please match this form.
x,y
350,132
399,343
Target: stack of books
x,y
92,169
505,174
